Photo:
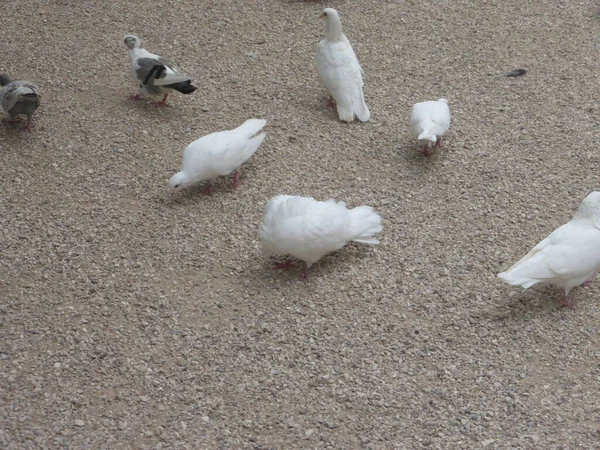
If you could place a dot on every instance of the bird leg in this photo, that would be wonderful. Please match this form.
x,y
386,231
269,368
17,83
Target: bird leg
x,y
438,143
135,97
236,180
304,274
331,105
28,125
568,303
426,151
163,102
208,190
286,265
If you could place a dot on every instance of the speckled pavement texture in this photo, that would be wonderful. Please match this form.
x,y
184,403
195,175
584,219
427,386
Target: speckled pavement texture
x,y
133,319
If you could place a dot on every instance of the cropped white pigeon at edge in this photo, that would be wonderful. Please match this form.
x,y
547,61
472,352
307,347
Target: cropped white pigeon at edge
x,y
309,229
19,98
218,154
430,121
153,74
340,71
568,257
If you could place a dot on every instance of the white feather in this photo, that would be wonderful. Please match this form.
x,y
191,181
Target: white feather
x,y
309,229
430,120
569,256
218,154
340,71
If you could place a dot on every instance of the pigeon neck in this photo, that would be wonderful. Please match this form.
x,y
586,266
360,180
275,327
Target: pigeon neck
x,y
333,29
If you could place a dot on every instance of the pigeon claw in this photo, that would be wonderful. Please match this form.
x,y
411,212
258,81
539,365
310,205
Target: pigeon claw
x,y
286,265
208,190
331,104
163,102
566,302
135,97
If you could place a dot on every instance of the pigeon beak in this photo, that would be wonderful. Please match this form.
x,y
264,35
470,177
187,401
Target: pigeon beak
x,y
322,15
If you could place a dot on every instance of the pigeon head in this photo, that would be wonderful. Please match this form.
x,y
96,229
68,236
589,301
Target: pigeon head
x,y
333,26
590,209
132,42
4,79
178,182
329,13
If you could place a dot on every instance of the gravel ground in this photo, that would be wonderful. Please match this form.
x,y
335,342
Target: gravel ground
x,y
135,320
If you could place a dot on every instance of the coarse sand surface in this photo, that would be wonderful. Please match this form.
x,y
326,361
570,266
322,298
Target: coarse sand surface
x,y
135,319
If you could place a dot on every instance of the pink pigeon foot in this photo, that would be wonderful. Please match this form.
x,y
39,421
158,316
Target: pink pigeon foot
x,y
286,265
426,151
28,126
331,104
568,303
438,143
236,180
304,274
587,283
208,190
135,97
163,102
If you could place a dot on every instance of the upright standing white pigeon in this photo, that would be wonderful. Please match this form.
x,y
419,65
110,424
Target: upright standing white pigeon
x,y
340,71
568,257
154,74
308,229
218,154
430,121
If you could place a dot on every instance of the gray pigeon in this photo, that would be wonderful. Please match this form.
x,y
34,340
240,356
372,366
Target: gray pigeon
x,y
19,97
154,74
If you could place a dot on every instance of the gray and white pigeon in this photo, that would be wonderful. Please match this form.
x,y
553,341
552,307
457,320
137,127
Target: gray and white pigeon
x,y
430,121
19,97
309,229
153,74
340,71
218,154
568,257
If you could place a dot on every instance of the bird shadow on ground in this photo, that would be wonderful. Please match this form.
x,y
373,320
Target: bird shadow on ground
x,y
331,265
412,158
192,195
543,301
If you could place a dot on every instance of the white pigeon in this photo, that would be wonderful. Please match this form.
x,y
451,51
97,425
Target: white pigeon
x,y
308,229
340,71
430,121
154,74
218,154
568,257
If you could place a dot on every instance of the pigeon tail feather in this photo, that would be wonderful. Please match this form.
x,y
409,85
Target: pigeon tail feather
x,y
363,223
183,87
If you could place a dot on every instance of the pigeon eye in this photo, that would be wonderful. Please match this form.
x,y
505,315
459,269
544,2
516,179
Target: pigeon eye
x,y
176,186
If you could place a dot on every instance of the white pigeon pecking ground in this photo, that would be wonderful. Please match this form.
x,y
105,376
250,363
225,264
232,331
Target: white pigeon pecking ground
x,y
19,97
154,74
430,121
568,257
218,154
309,229
340,71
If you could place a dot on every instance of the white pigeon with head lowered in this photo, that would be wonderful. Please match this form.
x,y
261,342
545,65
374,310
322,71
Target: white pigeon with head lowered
x,y
154,74
309,229
340,71
429,122
218,154
568,257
